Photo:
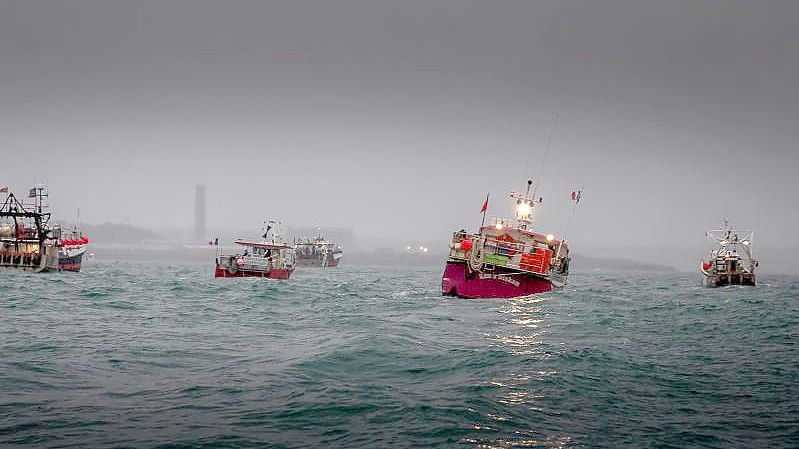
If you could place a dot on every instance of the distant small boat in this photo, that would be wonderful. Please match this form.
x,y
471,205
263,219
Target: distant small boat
x,y
317,252
504,260
730,261
270,258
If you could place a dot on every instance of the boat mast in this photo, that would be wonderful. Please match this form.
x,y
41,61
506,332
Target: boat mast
x,y
268,226
525,206
728,239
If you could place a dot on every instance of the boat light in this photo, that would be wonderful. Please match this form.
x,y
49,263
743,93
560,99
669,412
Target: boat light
x,y
550,237
499,226
745,242
524,208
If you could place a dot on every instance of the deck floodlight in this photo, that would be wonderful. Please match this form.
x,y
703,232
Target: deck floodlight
x,y
524,209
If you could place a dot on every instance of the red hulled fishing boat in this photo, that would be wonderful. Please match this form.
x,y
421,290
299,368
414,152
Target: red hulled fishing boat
x,y
269,258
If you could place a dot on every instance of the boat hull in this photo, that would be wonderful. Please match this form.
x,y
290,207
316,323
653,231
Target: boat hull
x,y
724,280
70,259
459,281
317,262
40,264
274,273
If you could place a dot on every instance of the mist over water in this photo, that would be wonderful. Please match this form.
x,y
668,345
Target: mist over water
x,y
396,118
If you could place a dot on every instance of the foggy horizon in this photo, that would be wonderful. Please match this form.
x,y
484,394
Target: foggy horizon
x,y
396,118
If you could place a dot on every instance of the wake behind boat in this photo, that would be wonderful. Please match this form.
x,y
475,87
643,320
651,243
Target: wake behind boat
x,y
731,261
506,260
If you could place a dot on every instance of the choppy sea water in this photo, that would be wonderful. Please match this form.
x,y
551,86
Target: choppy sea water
x,y
162,355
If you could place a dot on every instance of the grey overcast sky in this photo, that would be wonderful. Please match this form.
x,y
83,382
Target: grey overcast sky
x,y
395,117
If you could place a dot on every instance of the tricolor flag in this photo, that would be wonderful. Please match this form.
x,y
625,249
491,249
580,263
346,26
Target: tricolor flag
x,y
485,205
576,194
32,193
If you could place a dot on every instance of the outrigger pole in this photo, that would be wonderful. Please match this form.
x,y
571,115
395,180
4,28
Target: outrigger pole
x,y
546,154
569,223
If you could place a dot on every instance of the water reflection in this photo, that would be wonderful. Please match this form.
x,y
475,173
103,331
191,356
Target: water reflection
x,y
527,320
523,332
521,439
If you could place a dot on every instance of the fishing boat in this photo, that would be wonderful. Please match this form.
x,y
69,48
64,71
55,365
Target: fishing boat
x,y
26,242
270,258
506,259
317,252
71,248
730,261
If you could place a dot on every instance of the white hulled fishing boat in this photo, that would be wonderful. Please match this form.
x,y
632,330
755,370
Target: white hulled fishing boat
x,y
730,261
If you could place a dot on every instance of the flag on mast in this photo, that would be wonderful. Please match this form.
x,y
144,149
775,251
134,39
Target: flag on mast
x,y
4,189
32,193
576,194
483,210
485,205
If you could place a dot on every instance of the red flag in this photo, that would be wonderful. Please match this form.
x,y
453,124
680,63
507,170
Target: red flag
x,y
485,205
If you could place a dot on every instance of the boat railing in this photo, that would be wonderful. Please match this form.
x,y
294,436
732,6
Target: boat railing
x,y
257,263
528,256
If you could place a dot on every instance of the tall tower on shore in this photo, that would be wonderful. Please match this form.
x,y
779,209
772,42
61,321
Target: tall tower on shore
x,y
199,214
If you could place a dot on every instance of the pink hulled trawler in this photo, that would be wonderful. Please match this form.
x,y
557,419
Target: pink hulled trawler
x,y
505,259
